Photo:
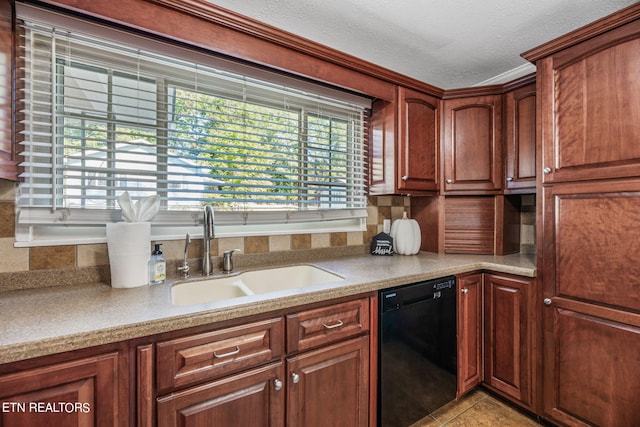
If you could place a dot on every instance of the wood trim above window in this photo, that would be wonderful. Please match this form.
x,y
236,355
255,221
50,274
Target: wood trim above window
x,y
202,24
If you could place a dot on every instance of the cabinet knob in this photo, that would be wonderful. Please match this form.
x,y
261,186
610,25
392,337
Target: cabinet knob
x,y
277,384
464,291
509,178
547,170
449,181
547,301
404,178
295,378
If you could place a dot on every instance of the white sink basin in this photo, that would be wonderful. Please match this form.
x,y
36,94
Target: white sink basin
x,y
250,283
189,293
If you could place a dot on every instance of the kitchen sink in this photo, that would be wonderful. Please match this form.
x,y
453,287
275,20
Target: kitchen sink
x,y
255,282
189,293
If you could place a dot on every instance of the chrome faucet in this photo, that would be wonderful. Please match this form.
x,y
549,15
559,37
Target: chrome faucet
x,y
209,234
185,264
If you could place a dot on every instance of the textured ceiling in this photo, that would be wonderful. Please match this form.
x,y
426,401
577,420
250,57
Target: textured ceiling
x,y
446,43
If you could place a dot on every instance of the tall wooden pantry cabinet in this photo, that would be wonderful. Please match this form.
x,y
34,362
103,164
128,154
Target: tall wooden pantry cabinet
x,y
589,215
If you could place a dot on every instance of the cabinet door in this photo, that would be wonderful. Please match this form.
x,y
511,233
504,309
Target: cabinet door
x,y
252,398
84,392
590,108
591,366
591,270
330,386
418,136
507,336
469,319
404,144
473,144
520,139
470,225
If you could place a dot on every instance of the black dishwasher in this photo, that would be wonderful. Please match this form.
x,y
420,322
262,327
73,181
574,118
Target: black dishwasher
x,y
417,350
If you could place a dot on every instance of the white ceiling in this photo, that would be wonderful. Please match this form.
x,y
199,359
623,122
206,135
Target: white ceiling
x,y
446,43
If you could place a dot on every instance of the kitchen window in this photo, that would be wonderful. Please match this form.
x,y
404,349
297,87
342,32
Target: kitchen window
x,y
103,112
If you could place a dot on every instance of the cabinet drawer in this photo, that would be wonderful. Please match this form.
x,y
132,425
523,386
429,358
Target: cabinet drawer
x,y
312,328
195,358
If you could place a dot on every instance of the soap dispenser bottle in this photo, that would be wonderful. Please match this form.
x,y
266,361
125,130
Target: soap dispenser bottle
x,y
157,266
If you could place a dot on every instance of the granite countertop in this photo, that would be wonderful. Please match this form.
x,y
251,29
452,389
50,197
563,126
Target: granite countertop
x,y
48,320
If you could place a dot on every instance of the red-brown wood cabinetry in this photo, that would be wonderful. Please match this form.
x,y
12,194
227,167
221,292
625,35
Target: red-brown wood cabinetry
x,y
469,325
496,338
87,391
241,375
472,145
508,337
590,107
591,271
520,139
329,386
405,137
252,398
589,110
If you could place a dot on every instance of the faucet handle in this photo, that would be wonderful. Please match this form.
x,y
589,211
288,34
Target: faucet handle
x,y
227,261
185,270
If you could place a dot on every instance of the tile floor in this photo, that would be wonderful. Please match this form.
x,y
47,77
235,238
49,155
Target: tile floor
x,y
477,409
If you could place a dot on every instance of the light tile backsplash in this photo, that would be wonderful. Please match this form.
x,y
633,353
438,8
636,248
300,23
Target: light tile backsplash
x,y
95,255
85,256
528,224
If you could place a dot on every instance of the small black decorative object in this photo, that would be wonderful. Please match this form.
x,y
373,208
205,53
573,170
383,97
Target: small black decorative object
x,y
382,244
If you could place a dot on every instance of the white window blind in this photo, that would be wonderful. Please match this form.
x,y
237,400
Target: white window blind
x,y
100,117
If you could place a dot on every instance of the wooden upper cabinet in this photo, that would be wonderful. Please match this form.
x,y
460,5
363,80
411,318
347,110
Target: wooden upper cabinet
x,y
417,141
590,108
520,139
472,145
404,144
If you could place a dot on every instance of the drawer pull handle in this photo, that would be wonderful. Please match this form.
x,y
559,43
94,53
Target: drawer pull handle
x,y
333,326
230,353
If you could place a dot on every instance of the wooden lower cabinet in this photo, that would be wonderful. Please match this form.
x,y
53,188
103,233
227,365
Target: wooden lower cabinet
x,y
241,375
330,386
252,398
469,319
591,303
89,391
507,337
324,387
591,367
495,338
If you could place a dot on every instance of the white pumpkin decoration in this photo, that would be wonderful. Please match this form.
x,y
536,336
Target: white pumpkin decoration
x,y
406,235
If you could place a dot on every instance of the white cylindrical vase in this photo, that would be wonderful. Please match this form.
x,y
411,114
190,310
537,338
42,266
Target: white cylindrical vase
x,y
129,244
